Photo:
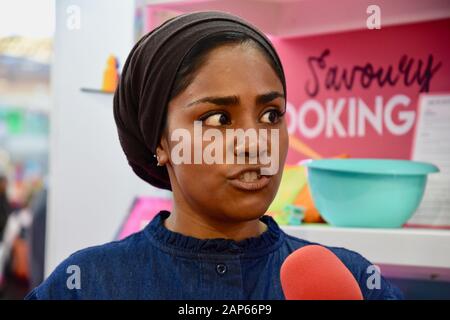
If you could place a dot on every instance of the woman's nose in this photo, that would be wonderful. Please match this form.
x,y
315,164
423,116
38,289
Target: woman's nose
x,y
252,145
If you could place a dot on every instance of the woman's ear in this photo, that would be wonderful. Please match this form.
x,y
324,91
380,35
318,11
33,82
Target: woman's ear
x,y
162,152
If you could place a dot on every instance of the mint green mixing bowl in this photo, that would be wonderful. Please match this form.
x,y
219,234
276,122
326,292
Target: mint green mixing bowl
x,y
374,193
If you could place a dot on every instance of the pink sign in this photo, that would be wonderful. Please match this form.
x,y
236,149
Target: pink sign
x,y
357,92
142,212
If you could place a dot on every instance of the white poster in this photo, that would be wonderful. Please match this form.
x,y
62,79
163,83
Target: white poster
x,y
432,144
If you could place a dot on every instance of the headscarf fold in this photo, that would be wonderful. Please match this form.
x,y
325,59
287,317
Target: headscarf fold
x,y
142,95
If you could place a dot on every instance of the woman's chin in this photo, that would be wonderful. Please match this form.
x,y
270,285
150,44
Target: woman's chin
x,y
247,209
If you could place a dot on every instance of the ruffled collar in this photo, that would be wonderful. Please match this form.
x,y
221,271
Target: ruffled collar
x,y
268,241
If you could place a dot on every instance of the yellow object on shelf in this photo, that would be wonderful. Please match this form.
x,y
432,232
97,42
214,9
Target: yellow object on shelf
x,y
110,75
292,182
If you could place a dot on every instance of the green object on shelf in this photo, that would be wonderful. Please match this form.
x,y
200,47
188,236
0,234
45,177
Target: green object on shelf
x,y
295,214
291,215
14,120
292,181
373,193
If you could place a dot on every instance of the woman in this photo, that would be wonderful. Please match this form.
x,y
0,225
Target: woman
x,y
214,72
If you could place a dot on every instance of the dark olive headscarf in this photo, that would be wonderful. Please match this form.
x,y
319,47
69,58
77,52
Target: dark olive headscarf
x,y
141,98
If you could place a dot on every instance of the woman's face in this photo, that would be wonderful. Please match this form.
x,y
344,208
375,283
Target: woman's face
x,y
236,88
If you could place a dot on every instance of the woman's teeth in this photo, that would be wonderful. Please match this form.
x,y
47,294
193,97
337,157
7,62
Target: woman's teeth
x,y
249,176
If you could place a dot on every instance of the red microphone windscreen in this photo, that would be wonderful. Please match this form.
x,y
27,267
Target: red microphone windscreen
x,y
315,273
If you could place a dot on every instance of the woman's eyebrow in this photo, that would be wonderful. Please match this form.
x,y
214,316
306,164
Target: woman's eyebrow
x,y
221,101
234,100
267,97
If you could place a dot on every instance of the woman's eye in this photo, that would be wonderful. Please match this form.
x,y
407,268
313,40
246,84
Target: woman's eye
x,y
271,116
217,119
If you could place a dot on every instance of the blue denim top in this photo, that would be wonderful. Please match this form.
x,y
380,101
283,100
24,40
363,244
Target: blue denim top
x,y
157,263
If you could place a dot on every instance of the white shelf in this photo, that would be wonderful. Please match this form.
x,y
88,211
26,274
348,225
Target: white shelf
x,y
407,252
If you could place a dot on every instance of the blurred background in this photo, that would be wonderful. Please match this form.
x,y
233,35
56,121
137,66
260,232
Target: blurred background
x,y
65,183
26,50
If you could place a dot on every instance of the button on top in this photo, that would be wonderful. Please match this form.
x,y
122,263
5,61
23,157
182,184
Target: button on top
x,y
221,268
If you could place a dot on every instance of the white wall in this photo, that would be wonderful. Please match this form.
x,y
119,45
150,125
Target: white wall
x,y
91,184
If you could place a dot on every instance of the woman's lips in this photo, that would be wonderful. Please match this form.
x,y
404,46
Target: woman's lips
x,y
250,181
